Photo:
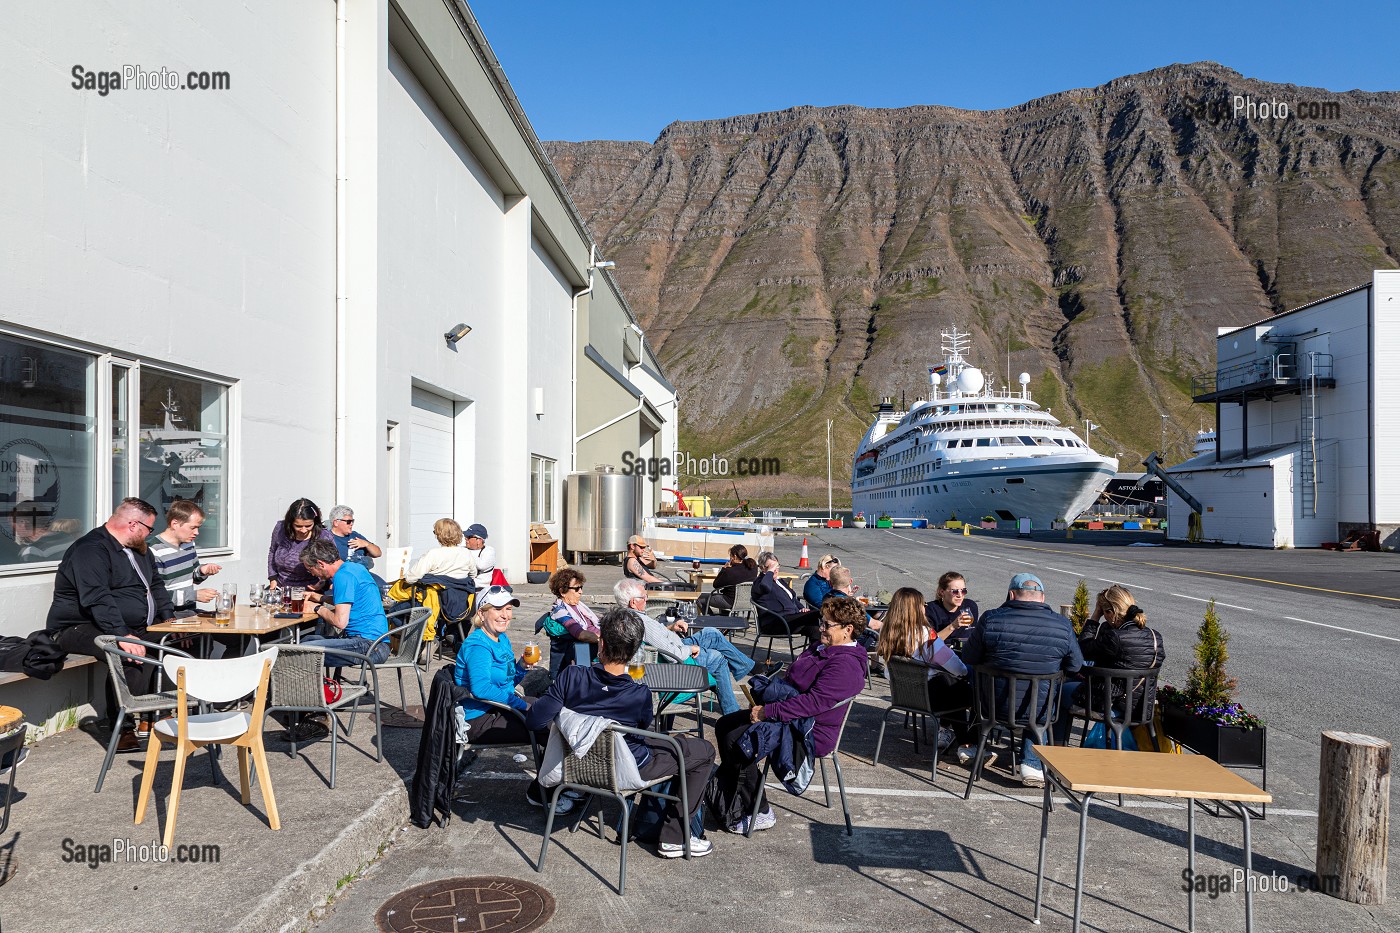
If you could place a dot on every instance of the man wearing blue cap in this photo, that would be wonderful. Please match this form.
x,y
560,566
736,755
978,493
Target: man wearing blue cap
x,y
1025,636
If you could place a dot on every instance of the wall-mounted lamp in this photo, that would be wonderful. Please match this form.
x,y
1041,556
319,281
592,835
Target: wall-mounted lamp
x,y
604,264
456,334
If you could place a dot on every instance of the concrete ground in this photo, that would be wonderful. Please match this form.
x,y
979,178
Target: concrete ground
x,y
920,855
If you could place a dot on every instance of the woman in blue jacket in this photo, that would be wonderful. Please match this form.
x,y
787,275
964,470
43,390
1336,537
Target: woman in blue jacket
x,y
488,667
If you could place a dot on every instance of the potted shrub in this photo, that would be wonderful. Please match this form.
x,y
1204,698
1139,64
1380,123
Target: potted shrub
x,y
859,520
952,524
1059,524
1205,717
1079,607
920,522
884,521
989,522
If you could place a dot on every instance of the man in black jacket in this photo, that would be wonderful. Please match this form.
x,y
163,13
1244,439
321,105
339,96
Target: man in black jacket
x,y
107,584
1025,636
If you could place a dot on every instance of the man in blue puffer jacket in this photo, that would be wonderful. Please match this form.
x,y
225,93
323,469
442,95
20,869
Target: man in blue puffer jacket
x,y
1025,636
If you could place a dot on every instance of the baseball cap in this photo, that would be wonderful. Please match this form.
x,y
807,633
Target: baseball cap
x,y
637,539
1027,581
476,531
498,596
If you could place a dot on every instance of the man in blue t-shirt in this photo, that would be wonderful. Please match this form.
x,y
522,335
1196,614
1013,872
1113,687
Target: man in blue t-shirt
x,y
358,614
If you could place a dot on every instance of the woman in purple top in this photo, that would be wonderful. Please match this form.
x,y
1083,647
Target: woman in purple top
x,y
298,527
825,676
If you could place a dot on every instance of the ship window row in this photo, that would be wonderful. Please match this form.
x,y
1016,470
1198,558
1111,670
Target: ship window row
x,y
81,430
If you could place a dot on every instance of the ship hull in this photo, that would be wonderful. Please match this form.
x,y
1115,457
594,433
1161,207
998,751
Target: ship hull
x,y
1043,490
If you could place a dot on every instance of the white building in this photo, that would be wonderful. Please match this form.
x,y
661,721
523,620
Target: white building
x,y
241,292
1308,426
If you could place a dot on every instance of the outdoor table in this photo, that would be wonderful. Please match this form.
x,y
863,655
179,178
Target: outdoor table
x,y
690,595
247,621
723,623
9,718
669,681
1090,771
701,577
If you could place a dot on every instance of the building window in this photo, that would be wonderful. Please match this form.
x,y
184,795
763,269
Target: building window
x,y
67,452
541,489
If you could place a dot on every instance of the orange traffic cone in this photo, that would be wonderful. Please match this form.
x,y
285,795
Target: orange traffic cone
x,y
804,563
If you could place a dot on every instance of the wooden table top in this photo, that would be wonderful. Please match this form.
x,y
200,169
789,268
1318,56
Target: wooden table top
x,y
9,718
1107,771
246,621
674,594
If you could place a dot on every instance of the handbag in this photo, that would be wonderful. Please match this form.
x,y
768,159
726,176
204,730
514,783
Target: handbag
x,y
1165,745
332,689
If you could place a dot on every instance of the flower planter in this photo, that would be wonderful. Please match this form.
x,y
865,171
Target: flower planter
x,y
884,523
833,523
859,523
989,526
1058,525
919,523
1231,746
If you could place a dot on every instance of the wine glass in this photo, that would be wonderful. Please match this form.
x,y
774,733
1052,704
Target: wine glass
x,y
255,597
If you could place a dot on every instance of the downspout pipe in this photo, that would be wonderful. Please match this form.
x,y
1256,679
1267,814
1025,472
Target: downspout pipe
x,y
341,250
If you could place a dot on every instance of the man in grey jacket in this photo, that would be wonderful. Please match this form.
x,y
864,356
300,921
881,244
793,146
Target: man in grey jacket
x,y
717,654
1025,636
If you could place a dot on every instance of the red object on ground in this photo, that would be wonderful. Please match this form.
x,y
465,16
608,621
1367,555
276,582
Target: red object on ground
x,y
804,563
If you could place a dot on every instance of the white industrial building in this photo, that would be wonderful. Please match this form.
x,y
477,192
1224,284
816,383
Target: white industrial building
x,y
1308,426
245,292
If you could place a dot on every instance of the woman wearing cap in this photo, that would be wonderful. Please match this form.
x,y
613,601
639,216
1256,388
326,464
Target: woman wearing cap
x,y
450,559
488,667
482,553
1115,636
298,528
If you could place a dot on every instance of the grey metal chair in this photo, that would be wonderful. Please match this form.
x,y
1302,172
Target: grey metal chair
x,y
464,745
742,607
127,702
909,695
1010,710
1121,698
410,648
800,588
596,774
298,686
835,757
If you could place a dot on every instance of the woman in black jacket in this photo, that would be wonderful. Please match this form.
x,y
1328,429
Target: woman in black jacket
x,y
1115,636
741,569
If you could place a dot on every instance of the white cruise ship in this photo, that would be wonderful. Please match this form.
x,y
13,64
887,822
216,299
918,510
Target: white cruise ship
x,y
968,452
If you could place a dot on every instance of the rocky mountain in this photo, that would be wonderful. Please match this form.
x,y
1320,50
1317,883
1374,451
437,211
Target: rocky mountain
x,y
797,266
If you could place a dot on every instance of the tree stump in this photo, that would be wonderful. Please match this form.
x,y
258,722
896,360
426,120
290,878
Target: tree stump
x,y
1353,817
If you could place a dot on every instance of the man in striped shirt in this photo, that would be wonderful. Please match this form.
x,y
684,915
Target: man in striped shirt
x,y
176,559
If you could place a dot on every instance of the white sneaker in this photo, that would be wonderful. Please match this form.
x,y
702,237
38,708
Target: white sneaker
x,y
698,848
946,737
1032,777
965,753
766,820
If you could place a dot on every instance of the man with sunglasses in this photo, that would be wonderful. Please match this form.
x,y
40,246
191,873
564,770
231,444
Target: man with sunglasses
x,y
353,546
107,584
951,614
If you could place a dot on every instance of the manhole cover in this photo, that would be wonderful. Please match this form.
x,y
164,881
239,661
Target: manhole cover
x,y
467,905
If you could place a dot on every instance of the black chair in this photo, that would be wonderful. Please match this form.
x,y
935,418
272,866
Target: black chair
x,y
1130,695
1001,700
909,695
12,753
771,625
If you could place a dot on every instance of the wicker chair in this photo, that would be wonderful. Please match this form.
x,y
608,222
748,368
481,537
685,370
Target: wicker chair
x,y
128,703
410,649
298,686
835,757
596,774
909,695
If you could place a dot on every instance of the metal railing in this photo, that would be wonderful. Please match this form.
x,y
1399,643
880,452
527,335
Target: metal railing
x,y
1281,366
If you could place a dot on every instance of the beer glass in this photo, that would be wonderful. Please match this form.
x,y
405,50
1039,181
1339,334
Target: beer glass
x,y
532,653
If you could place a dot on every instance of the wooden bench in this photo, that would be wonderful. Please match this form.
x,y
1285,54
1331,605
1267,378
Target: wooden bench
x,y
74,660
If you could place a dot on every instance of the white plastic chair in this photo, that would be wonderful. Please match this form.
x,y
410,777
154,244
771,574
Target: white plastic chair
x,y
394,562
221,681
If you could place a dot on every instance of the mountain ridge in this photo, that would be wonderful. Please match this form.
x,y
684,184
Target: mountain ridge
x,y
796,265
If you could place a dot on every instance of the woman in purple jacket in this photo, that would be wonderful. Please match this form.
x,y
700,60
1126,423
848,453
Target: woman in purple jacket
x,y
298,528
825,676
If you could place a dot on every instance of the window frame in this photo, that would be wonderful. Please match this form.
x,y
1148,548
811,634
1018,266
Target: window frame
x,y
542,492
105,362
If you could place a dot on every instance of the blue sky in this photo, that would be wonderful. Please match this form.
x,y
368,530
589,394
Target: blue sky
x,y
623,70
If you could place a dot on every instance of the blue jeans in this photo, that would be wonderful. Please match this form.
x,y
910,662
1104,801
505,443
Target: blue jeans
x,y
357,645
1026,708
740,664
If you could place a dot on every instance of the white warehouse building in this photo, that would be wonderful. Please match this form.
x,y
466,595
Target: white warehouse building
x,y
247,293
1307,426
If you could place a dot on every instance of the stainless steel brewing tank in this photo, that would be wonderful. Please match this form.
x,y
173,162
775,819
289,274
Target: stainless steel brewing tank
x,y
601,511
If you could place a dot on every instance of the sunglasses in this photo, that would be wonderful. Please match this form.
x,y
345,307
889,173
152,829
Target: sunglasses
x,y
348,521
961,592
576,589
493,590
